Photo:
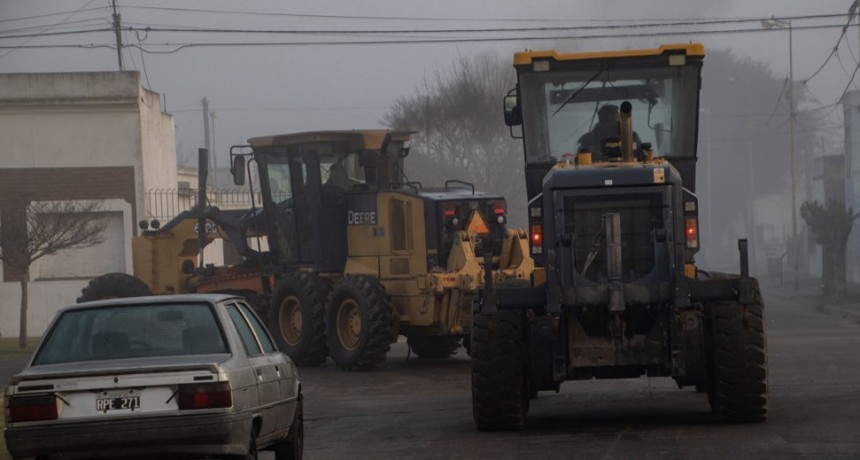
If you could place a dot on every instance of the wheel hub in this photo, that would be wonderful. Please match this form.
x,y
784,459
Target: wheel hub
x,y
290,320
349,324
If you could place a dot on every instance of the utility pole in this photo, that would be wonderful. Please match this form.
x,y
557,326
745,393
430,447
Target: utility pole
x,y
206,137
791,114
214,153
118,32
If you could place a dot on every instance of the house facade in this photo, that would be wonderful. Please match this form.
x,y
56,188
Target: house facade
x,y
78,136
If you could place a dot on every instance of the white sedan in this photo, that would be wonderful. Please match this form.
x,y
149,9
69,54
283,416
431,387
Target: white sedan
x,y
185,376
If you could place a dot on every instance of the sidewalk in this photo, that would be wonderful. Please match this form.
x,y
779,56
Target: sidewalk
x,y
847,306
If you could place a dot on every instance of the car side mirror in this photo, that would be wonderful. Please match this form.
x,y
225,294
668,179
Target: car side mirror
x,y
513,115
238,170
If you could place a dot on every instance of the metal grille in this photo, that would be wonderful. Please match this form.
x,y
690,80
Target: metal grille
x,y
641,212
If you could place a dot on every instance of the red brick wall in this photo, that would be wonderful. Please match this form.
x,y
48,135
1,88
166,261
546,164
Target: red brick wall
x,y
18,187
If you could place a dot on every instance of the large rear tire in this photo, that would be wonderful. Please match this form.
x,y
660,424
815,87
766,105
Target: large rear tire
x,y
358,323
297,317
739,387
499,379
113,285
434,347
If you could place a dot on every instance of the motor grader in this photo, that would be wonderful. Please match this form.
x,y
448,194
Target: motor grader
x,y
610,153
343,254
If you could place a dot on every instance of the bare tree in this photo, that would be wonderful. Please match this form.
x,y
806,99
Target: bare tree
x,y
831,225
50,227
460,132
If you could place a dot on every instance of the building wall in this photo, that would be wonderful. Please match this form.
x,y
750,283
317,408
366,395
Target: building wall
x,y
78,136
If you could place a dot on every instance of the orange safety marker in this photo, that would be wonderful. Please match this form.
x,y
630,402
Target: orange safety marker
x,y
477,224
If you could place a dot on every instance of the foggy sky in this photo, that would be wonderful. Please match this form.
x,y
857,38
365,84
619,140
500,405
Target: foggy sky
x,y
260,91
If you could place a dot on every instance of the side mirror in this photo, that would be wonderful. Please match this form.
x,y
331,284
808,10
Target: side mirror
x,y
513,115
238,170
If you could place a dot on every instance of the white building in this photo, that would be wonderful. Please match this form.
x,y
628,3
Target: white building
x,y
78,136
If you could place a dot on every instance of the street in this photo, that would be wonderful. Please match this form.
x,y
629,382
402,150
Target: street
x,y
417,409
422,409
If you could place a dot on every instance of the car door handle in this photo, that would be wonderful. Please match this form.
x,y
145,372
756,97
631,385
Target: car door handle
x,y
259,375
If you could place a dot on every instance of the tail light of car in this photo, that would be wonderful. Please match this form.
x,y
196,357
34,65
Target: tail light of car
x,y
204,396
31,408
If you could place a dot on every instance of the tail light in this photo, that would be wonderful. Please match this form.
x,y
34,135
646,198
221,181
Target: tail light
x,y
692,232
204,396
536,238
449,216
31,408
499,210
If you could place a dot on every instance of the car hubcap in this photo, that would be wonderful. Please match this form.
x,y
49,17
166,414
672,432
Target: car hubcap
x,y
290,320
349,324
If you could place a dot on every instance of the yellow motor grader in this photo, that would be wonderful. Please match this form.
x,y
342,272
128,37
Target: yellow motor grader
x,y
342,254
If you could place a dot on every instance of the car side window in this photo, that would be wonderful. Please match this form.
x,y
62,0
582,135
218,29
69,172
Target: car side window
x,y
245,332
262,335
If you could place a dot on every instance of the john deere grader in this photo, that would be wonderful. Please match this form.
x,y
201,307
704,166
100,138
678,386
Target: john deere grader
x,y
343,254
610,152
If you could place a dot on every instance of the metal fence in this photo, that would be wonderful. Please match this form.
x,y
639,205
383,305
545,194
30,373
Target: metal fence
x,y
166,203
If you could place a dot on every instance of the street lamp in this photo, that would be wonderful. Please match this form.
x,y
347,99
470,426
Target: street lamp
x,y
780,23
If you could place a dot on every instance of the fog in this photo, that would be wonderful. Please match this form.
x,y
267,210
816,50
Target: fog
x,y
260,90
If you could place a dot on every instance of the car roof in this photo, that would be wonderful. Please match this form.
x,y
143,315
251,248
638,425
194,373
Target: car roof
x,y
155,299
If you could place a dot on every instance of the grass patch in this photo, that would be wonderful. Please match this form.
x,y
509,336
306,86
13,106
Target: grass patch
x,y
9,345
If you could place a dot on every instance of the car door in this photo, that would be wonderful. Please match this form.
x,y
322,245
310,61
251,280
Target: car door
x,y
264,370
283,369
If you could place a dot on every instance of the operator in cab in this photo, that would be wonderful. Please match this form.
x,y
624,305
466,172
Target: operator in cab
x,y
604,138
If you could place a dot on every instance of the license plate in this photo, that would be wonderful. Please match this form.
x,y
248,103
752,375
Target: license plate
x,y
112,403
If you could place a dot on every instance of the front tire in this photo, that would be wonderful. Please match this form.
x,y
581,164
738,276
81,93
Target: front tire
x,y
114,285
358,323
297,317
499,380
739,388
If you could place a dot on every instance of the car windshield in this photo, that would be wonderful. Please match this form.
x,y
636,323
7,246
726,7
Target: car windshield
x,y
567,111
131,331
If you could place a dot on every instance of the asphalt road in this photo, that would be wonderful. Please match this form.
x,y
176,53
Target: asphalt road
x,y
418,409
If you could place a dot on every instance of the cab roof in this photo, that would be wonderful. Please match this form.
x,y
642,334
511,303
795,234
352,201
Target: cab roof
x,y
358,139
690,49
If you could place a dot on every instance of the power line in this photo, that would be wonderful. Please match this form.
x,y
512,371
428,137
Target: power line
x,y
180,46
835,47
25,18
48,28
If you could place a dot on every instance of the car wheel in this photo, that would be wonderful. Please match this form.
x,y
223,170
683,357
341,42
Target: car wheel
x,y
358,323
297,317
113,285
292,448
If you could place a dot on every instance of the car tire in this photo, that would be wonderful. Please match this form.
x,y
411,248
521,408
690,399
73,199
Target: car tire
x,y
292,448
113,285
358,323
499,379
434,347
739,389
297,317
